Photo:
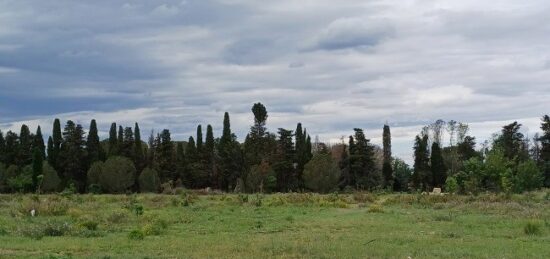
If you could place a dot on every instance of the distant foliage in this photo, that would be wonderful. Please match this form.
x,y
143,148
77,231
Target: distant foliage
x,y
117,175
149,180
50,181
321,173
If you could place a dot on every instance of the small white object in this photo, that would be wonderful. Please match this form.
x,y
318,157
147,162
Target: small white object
x,y
33,212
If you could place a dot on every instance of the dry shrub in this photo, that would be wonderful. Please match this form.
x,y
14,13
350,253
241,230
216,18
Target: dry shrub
x,y
375,208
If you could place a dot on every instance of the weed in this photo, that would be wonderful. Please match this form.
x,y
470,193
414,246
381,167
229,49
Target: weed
x,y
444,217
375,208
136,234
532,228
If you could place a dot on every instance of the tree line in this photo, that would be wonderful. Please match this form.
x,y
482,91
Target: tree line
x,y
78,161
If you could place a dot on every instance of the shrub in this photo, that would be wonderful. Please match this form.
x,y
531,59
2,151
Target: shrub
x,y
261,178
89,225
33,231
149,180
136,234
50,181
528,177
22,181
117,175
451,185
532,229
94,173
375,208
321,173
94,188
117,217
56,228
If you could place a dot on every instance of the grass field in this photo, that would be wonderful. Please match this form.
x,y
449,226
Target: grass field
x,y
359,225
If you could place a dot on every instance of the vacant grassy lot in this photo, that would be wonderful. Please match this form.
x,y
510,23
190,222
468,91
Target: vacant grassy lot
x,y
356,225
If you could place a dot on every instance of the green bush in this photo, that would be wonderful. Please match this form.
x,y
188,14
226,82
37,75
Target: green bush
x,y
50,181
136,234
451,186
528,177
22,181
117,175
94,173
56,228
261,178
321,173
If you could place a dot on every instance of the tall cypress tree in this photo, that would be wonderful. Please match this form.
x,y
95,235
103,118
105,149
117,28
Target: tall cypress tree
x,y
545,149
2,148
230,156
93,146
50,150
439,171
39,142
57,138
120,140
138,149
387,170
25,146
421,174
37,160
210,166
113,142
180,163
199,139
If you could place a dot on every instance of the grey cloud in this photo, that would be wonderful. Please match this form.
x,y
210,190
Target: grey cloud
x,y
333,66
354,32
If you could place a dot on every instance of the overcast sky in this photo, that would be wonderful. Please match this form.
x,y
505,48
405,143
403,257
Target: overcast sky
x,y
332,65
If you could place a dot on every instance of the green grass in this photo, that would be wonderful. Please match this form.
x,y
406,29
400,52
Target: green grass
x,y
359,225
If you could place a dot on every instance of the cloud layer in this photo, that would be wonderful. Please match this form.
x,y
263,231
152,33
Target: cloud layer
x,y
331,65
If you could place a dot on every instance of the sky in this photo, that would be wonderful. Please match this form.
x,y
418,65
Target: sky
x,y
332,65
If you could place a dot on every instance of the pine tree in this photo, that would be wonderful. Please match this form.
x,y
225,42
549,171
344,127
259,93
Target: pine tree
x,y
113,142
25,146
259,144
39,142
11,151
93,146
127,144
165,157
387,170
72,154
439,171
284,164
362,163
512,143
